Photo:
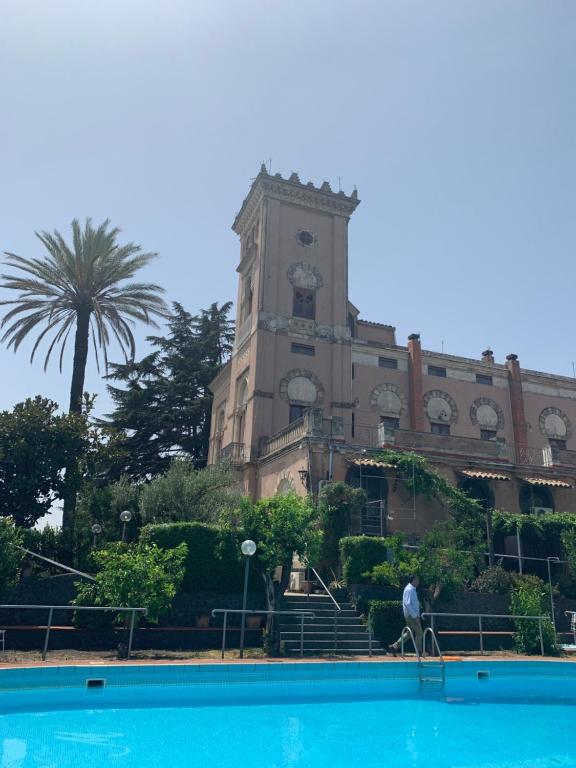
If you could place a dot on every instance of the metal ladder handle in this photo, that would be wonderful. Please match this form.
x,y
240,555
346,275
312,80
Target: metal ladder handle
x,y
430,631
409,630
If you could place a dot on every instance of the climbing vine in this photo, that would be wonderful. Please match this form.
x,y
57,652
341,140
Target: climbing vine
x,y
420,477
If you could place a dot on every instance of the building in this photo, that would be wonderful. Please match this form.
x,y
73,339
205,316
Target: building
x,y
313,392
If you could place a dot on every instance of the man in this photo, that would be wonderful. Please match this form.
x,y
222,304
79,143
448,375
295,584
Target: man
x,y
411,610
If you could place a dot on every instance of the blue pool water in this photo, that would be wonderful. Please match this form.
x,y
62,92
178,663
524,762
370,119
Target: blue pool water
x,y
291,716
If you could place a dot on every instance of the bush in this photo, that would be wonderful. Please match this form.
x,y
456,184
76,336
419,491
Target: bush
x,y
213,562
530,597
138,576
386,619
494,581
359,555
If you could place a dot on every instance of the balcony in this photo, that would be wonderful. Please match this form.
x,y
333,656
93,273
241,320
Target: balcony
x,y
290,434
233,453
462,447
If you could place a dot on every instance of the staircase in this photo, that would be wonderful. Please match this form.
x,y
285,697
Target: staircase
x,y
333,632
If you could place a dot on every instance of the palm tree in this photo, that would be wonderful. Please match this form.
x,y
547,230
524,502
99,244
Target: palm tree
x,y
78,287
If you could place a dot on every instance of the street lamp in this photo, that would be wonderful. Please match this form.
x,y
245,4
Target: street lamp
x,y
248,548
96,530
125,517
548,561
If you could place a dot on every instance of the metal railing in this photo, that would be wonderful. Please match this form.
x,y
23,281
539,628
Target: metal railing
x,y
325,588
408,631
433,644
52,608
337,607
481,616
226,611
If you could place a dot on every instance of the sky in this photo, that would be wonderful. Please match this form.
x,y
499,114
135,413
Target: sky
x,y
455,119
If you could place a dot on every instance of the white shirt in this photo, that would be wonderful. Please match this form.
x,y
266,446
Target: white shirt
x,y
410,602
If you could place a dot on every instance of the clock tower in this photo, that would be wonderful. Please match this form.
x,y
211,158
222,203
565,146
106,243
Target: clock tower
x,y
292,351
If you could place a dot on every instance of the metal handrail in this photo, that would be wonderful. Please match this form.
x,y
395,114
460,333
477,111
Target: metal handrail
x,y
52,608
430,631
409,631
481,616
226,611
330,595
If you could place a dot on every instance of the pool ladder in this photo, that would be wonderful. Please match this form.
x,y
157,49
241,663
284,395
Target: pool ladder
x,y
430,673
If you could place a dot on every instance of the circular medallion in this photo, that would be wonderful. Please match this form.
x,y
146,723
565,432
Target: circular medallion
x,y
487,414
440,407
555,424
388,400
301,387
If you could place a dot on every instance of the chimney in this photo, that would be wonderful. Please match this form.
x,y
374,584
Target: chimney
x,y
415,383
517,404
487,356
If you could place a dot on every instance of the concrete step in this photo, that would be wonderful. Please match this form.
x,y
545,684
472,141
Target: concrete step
x,y
331,651
310,625
360,635
312,644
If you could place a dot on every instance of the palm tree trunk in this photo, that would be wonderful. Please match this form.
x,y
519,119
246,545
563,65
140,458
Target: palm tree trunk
x,y
80,358
76,391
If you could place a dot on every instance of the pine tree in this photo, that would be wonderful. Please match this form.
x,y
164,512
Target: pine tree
x,y
165,404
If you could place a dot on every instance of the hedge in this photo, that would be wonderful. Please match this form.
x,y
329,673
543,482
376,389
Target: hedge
x,y
387,620
359,554
213,562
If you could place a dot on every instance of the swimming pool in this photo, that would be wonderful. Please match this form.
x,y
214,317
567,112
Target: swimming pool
x,y
307,715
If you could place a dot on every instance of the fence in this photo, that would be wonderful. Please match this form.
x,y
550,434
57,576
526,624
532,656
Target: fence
x,y
480,616
52,608
247,612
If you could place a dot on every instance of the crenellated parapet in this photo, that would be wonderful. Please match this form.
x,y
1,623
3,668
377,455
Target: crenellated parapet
x,y
293,190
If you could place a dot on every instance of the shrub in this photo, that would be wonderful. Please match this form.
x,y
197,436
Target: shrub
x,y
359,555
213,562
139,576
386,619
494,581
530,597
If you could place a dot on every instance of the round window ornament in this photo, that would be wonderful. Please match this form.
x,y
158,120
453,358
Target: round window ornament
x,y
486,414
305,238
555,424
440,407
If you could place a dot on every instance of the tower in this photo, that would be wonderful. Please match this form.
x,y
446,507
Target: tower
x,y
292,350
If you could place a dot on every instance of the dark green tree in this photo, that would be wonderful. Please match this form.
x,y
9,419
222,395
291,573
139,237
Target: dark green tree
x,y
164,405
36,445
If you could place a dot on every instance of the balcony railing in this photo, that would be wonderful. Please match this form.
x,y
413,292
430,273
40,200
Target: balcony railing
x,y
469,447
290,434
234,453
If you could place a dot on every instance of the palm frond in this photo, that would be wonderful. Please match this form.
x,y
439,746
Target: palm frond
x,y
92,274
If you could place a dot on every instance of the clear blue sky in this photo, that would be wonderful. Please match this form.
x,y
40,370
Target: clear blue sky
x,y
456,119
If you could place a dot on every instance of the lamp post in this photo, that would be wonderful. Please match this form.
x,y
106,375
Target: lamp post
x,y
96,530
125,517
248,548
548,561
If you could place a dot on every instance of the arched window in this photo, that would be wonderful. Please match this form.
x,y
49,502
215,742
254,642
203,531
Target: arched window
x,y
304,303
479,489
534,498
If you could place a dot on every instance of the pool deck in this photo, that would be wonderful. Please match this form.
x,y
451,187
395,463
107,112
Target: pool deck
x,y
449,659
